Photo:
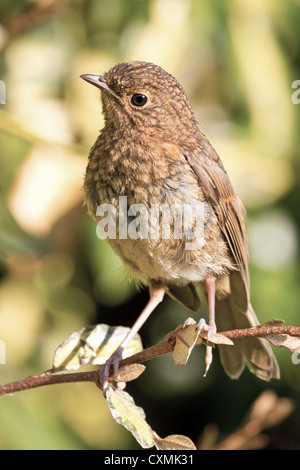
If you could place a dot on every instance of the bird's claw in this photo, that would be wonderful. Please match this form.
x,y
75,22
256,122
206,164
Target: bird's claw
x,y
203,326
105,375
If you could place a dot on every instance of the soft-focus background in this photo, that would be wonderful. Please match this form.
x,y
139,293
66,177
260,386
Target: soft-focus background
x,y
237,60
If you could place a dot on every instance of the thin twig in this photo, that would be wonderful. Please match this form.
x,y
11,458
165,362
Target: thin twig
x,y
166,346
46,378
262,330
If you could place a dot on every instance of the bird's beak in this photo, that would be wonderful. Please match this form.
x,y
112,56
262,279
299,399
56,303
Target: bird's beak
x,y
100,82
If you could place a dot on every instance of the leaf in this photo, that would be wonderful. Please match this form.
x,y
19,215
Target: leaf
x,y
132,417
217,338
173,442
207,333
186,338
93,345
290,342
270,410
130,372
188,335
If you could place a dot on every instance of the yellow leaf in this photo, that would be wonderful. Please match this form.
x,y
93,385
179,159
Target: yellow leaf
x,y
93,345
132,417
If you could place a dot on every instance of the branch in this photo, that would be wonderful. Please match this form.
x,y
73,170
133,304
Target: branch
x,y
50,378
47,378
269,328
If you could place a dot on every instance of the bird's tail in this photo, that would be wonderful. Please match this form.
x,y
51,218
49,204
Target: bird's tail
x,y
255,353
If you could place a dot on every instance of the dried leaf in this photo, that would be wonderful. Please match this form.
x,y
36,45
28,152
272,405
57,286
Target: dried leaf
x,y
263,404
93,345
217,338
290,342
132,417
284,408
186,338
188,335
210,336
173,442
130,372
268,410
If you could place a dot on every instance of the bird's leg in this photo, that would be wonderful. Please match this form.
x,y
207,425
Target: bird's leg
x,y
210,282
211,327
157,292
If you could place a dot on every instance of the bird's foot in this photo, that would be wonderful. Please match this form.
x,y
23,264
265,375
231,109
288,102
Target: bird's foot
x,y
203,326
114,361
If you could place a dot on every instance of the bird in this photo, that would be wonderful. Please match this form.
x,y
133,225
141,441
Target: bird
x,y
152,153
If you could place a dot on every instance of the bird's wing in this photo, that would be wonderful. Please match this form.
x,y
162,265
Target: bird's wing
x,y
185,295
228,207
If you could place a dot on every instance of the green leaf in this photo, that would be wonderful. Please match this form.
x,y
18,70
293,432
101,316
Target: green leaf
x,y
93,345
132,417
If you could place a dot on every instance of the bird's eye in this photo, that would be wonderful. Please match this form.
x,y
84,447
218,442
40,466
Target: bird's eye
x,y
139,99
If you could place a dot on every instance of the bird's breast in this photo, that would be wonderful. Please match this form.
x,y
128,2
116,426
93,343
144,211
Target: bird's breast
x,y
164,229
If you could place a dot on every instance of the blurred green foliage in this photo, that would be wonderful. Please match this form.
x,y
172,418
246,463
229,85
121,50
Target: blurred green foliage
x,y
237,61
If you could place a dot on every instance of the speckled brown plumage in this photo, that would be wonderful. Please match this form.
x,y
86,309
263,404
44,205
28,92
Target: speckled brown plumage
x,y
155,154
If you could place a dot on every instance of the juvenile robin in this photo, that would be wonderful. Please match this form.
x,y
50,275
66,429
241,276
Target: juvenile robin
x,y
151,151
